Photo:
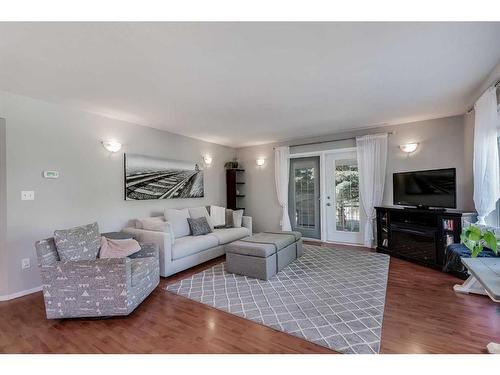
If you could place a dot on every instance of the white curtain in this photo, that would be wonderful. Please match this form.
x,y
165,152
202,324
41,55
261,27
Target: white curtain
x,y
281,173
486,174
372,160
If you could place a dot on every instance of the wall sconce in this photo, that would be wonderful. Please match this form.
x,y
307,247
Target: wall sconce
x,y
208,160
408,147
260,162
112,146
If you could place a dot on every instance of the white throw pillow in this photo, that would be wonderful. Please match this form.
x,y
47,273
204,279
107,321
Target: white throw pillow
x,y
218,215
197,212
156,224
178,221
237,218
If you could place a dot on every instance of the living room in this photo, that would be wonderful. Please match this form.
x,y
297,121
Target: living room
x,y
238,188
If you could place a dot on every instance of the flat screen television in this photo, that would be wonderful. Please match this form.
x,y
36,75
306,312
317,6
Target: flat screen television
x,y
432,188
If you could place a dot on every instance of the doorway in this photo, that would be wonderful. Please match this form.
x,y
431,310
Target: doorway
x,y
342,210
304,196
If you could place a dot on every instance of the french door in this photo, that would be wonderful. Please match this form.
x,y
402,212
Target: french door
x,y
342,210
304,196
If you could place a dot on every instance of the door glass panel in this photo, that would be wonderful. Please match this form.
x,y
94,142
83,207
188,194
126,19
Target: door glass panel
x,y
303,196
346,195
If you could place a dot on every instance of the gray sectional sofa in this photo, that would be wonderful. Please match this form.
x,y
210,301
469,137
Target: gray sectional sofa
x,y
180,251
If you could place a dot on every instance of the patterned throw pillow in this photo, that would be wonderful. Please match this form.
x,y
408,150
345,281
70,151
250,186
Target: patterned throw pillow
x,y
199,226
79,243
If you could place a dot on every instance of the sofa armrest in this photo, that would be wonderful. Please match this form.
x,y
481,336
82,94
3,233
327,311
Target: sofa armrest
x,y
247,223
163,240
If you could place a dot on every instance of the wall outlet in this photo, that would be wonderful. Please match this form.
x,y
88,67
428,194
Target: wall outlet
x,y
28,195
25,263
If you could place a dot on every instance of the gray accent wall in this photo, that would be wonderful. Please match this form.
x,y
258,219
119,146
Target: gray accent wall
x,y
443,143
44,136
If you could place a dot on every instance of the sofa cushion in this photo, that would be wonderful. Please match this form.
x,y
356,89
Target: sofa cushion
x,y
178,221
226,235
141,268
79,243
196,212
199,226
190,245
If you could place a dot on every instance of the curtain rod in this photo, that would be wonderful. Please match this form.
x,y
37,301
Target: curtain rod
x,y
330,141
495,85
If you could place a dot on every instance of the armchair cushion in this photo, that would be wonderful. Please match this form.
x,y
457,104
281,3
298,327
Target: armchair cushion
x,y
78,243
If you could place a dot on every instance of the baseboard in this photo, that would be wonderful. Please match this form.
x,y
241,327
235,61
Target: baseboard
x,y
22,293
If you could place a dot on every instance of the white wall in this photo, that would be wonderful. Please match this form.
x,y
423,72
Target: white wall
x,y
43,136
443,143
3,212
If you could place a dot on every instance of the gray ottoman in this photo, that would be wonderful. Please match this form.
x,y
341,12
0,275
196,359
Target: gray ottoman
x,y
264,254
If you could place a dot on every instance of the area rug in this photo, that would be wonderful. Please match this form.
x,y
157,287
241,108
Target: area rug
x,y
334,298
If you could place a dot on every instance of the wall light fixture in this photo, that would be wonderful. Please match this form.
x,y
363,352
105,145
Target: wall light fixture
x,y
408,147
112,145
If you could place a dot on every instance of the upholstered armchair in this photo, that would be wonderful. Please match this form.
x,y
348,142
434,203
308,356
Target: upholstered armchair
x,y
98,287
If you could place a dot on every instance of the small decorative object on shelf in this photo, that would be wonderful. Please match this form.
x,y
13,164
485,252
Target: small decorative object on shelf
x,y
448,224
476,239
233,164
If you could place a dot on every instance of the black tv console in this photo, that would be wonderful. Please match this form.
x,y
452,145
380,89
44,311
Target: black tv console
x,y
419,235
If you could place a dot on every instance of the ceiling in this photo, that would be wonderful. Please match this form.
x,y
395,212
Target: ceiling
x,y
241,84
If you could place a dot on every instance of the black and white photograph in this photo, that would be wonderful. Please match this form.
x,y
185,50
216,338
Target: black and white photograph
x,y
148,177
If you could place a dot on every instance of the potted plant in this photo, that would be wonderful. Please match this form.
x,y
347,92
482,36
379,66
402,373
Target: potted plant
x,y
233,164
476,239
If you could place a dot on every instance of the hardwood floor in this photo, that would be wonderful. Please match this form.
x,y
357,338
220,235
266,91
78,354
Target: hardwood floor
x,y
422,315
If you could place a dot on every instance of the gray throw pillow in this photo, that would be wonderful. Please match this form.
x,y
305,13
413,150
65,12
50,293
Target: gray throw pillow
x,y
199,226
79,243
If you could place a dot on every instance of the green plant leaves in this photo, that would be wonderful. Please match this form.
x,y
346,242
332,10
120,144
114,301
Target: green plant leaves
x,y
475,240
490,239
474,233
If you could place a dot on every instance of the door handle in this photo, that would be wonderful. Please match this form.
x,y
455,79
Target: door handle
x,y
328,204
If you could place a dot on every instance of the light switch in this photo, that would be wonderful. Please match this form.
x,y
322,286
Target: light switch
x,y
27,195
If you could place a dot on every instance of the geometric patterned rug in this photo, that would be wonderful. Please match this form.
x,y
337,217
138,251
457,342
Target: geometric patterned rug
x,y
334,298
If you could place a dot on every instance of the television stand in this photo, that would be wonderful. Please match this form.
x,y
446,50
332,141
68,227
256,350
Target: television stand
x,y
419,235
427,208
